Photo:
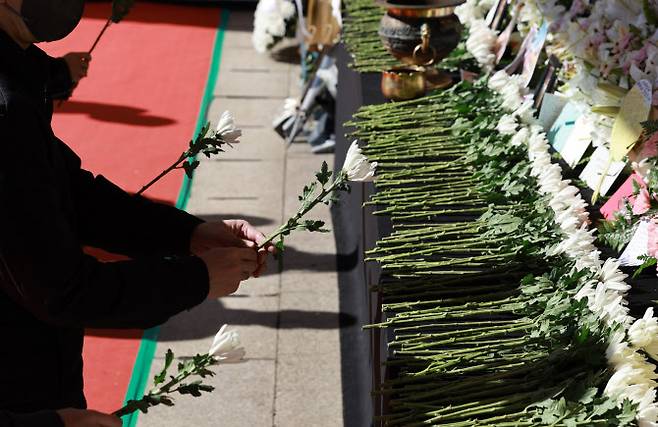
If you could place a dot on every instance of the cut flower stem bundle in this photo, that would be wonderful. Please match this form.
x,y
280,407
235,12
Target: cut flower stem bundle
x,y
486,325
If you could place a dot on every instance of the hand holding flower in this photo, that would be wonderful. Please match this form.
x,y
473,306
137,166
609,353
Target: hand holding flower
x,y
230,233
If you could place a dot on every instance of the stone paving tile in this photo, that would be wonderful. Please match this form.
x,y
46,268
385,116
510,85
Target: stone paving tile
x,y
233,60
252,85
311,283
308,391
249,114
234,403
309,324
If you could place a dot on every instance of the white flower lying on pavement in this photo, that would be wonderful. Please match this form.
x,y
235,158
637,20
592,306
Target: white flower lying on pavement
x,y
356,166
226,129
226,346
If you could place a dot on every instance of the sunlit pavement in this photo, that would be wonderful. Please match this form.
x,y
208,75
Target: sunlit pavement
x,y
288,322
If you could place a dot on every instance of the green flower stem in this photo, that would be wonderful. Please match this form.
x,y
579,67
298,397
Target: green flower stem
x,y
152,398
294,221
456,334
173,166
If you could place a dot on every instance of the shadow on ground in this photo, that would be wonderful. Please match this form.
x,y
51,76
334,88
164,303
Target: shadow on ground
x,y
294,259
114,113
204,320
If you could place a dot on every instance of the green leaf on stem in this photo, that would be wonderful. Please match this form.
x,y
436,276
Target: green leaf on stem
x,y
279,245
189,167
160,378
324,174
307,193
648,261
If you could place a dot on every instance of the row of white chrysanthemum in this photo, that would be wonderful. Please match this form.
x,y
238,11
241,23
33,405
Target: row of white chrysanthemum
x,y
634,375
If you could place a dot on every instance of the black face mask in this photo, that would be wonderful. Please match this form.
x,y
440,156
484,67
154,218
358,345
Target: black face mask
x,y
50,20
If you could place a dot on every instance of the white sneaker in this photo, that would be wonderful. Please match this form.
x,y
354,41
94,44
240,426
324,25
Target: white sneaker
x,y
325,147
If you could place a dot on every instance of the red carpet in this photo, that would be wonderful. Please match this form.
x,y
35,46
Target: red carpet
x,y
129,119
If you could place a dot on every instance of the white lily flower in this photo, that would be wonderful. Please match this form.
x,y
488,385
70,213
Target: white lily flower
x,y
356,166
226,346
226,129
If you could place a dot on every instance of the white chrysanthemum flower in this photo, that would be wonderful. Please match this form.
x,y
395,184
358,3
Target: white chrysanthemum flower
x,y
526,112
288,9
356,166
481,42
226,346
642,168
512,99
620,380
226,129
498,81
611,272
472,10
586,292
643,333
521,137
271,19
647,410
647,414
540,163
590,261
568,219
577,243
507,125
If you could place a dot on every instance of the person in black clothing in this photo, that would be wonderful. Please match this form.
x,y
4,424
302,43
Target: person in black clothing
x,y
50,290
66,72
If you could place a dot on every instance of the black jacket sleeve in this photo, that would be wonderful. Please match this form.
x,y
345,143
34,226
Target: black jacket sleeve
x,y
42,266
59,84
36,419
111,219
